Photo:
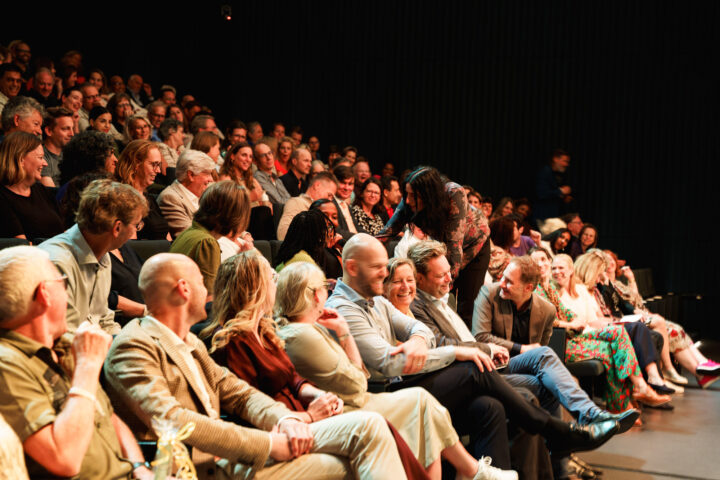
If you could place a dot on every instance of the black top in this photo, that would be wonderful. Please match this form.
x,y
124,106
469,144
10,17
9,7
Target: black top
x,y
520,328
295,186
156,227
36,216
125,275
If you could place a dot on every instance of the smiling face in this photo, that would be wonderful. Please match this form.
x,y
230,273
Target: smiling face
x,y
91,97
32,164
401,288
362,172
371,195
369,269
561,241
243,158
44,83
561,272
140,130
587,239
437,281
542,261
61,133
345,188
512,287
148,169
31,123
96,80
302,163
330,210
238,135
111,162
10,84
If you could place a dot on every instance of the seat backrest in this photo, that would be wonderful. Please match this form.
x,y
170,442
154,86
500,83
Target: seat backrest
x,y
147,248
557,341
12,242
644,279
263,247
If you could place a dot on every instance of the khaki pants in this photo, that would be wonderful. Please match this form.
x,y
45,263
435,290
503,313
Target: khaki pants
x,y
352,445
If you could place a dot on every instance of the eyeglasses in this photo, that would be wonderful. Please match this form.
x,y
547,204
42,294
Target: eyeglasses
x,y
138,226
63,278
275,276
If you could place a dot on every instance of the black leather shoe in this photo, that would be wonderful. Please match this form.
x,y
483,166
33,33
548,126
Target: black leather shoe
x,y
582,438
625,419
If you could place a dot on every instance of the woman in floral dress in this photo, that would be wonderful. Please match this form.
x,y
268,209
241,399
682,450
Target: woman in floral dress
x,y
609,344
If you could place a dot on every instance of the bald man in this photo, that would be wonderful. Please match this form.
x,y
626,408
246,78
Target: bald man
x,y
157,368
402,350
63,417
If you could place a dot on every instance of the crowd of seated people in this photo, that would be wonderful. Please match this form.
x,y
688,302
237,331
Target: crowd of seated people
x,y
89,163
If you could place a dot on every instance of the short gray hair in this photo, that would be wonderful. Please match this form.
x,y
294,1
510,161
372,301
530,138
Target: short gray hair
x,y
21,106
22,268
193,160
168,127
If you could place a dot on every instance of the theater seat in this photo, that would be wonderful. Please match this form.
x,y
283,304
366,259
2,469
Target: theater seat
x,y
147,248
586,371
12,242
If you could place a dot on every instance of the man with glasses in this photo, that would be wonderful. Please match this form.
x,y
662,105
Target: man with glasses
x,y
91,98
266,175
109,214
54,403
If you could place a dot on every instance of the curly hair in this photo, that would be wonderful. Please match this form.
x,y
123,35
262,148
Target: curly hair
x,y
307,231
85,152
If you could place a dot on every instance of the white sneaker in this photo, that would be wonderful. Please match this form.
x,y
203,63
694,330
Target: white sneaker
x,y
488,472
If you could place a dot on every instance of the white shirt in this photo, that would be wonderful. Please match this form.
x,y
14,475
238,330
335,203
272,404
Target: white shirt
x,y
345,210
457,323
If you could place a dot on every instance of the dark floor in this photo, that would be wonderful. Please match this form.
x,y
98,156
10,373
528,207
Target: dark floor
x,y
684,443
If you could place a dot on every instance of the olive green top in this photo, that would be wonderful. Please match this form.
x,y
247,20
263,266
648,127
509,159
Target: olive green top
x,y
197,243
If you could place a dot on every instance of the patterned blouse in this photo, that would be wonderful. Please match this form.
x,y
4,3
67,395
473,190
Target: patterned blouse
x,y
366,223
551,294
466,229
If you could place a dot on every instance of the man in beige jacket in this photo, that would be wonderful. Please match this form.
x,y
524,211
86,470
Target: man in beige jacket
x,y
157,368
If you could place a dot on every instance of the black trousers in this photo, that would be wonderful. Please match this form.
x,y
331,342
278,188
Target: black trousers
x,y
643,343
469,281
479,404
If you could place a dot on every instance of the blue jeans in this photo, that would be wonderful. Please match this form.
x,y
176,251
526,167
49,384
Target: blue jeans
x,y
544,374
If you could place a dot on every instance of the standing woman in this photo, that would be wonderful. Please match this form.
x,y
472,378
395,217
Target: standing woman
x,y
138,166
29,209
366,208
439,208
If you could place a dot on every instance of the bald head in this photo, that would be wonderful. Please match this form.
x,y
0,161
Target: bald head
x,y
159,276
365,265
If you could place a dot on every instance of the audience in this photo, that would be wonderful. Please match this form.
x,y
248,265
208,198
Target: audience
x,y
298,171
279,444
322,185
267,177
224,210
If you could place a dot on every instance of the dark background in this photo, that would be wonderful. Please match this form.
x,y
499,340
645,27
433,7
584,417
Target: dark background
x,y
481,90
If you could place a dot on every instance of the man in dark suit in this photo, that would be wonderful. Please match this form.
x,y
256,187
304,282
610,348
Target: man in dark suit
x,y
346,185
295,180
540,369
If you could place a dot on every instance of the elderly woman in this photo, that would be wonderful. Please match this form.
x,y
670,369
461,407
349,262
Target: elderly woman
x,y
608,343
138,165
179,201
576,286
676,340
224,210
439,208
366,207
29,209
244,298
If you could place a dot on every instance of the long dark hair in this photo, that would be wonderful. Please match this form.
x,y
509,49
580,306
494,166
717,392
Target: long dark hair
x,y
429,186
308,231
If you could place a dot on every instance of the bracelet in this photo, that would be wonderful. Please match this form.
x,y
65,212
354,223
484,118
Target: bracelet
x,y
81,392
342,338
312,420
136,465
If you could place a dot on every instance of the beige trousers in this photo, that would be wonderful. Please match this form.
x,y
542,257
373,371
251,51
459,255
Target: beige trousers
x,y
352,445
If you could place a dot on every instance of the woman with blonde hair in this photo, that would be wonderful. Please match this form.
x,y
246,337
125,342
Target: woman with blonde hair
x,y
284,151
244,296
588,271
138,166
608,343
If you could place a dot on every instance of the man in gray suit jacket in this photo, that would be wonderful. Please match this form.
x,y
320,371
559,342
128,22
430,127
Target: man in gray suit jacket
x,y
179,201
157,368
539,368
